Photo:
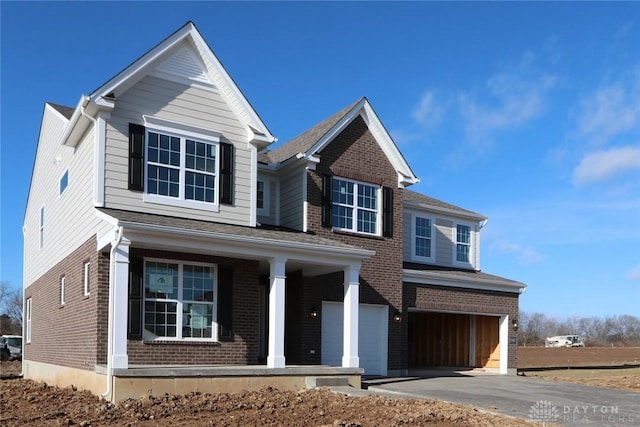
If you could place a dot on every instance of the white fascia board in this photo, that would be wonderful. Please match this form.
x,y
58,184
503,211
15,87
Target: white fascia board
x,y
246,112
105,239
433,278
451,212
242,246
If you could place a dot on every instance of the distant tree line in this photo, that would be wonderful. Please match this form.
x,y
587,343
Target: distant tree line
x,y
10,310
617,331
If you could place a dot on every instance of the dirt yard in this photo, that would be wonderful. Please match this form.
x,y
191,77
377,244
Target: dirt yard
x,y
581,357
534,357
24,402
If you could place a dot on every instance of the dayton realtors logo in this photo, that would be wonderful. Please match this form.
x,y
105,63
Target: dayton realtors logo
x,y
546,412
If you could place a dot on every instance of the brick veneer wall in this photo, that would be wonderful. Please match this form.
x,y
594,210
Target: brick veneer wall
x,y
355,154
242,349
72,334
449,299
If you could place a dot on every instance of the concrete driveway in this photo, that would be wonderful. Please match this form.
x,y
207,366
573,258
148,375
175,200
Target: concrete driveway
x,y
524,397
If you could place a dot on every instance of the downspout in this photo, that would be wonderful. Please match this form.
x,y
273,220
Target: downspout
x,y
112,260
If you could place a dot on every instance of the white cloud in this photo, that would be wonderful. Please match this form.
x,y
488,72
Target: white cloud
x,y
611,110
634,274
524,254
603,165
519,95
428,113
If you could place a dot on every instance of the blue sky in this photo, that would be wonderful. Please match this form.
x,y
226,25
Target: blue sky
x,y
528,113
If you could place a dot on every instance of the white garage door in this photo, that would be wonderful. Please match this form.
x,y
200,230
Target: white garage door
x,y
372,338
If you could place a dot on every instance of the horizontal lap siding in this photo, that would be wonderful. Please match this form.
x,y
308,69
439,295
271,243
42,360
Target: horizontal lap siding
x,y
291,201
444,242
183,104
69,218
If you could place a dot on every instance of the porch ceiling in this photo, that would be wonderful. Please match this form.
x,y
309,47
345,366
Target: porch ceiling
x,y
312,254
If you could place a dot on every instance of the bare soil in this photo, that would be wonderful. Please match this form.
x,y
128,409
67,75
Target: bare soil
x,y
569,357
627,379
25,402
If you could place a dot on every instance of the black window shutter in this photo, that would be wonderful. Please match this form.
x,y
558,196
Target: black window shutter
x,y
225,303
136,286
387,212
136,157
327,181
226,174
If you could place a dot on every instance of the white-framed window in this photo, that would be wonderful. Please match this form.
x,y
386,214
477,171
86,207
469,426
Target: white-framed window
x,y
62,289
179,300
423,238
262,197
64,181
463,244
41,229
181,170
356,206
86,274
27,315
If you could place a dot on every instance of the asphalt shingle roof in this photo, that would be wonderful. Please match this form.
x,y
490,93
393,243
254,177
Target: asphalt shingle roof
x,y
412,196
215,227
460,272
306,140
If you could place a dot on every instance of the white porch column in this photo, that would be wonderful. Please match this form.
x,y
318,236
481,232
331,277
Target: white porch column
x,y
120,272
504,343
275,355
350,357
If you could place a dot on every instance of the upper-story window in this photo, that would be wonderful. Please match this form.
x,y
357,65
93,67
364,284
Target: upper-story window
x,y
262,197
64,181
181,165
463,244
423,239
356,206
181,168
179,300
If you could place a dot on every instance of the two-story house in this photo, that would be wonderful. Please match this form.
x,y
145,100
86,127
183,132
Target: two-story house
x,y
168,248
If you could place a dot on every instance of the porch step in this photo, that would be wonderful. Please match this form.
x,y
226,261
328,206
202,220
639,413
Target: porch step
x,y
313,382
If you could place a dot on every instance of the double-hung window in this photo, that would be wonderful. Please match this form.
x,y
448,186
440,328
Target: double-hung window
x,y
181,169
62,286
27,315
423,239
356,206
463,244
179,300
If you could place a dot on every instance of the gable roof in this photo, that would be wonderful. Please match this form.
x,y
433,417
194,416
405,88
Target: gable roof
x,y
418,200
184,51
311,142
67,112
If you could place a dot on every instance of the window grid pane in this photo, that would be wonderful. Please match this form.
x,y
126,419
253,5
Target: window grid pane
x,y
349,199
463,242
260,195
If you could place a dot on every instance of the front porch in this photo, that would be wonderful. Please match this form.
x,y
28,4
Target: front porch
x,y
137,381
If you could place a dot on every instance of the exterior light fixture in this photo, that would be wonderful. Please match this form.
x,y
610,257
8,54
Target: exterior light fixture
x,y
314,311
397,317
514,323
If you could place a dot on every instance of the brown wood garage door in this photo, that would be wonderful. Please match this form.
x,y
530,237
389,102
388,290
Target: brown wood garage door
x,y
487,342
439,339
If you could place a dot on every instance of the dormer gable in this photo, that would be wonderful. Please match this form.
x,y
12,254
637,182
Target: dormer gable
x,y
184,57
309,145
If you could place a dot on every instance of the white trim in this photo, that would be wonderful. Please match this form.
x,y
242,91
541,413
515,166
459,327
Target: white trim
x,y
434,278
454,214
355,207
266,197
180,301
28,319
305,201
253,196
41,228
62,290
86,278
181,129
184,132
503,340
432,238
100,141
406,176
472,246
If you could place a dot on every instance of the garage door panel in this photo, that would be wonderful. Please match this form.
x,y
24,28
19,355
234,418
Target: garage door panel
x,y
372,336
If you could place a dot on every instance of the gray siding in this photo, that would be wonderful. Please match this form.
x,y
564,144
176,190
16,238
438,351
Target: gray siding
x,y
184,104
291,200
444,242
271,186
